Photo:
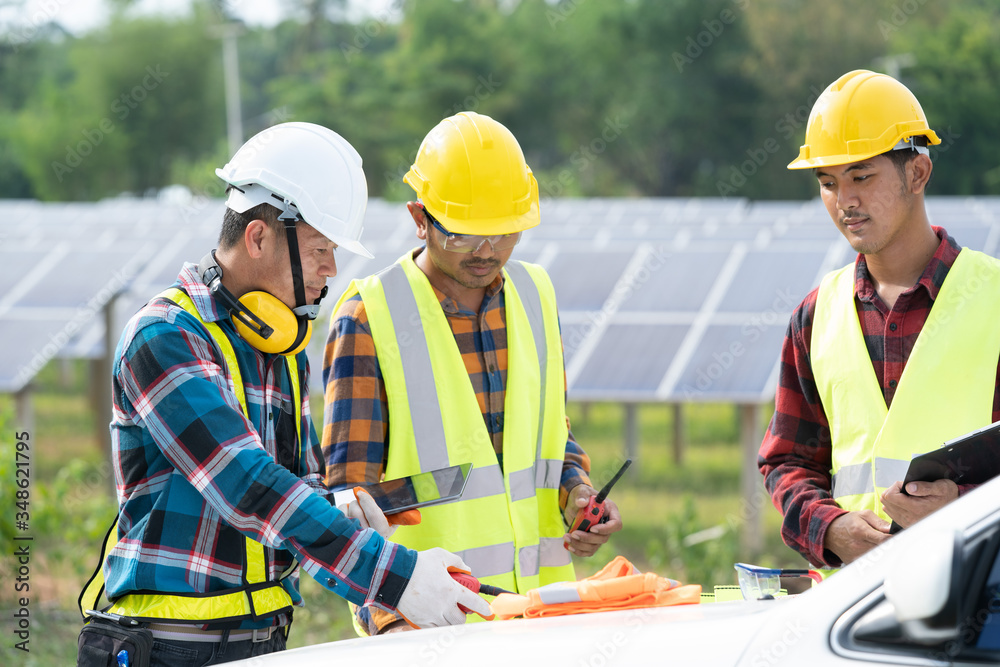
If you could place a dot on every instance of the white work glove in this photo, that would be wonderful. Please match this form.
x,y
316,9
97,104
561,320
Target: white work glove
x,y
365,510
431,598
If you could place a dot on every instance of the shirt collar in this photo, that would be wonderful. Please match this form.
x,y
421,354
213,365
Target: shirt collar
x,y
931,279
190,281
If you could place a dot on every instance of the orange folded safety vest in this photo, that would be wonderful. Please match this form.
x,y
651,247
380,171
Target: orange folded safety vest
x,y
617,586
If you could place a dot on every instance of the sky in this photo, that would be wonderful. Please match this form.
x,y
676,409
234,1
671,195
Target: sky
x,y
79,16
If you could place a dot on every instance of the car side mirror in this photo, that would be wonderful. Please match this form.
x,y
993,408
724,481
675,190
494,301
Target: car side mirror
x,y
923,586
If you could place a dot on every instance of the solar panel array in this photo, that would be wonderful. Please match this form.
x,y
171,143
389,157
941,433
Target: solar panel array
x,y
661,300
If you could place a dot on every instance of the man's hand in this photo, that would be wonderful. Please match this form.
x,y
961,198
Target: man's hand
x,y
923,498
367,512
854,534
432,597
582,543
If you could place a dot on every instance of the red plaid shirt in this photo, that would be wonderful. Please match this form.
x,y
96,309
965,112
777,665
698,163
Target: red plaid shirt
x,y
795,457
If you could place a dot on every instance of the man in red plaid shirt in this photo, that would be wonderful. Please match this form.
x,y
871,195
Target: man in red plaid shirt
x,y
890,356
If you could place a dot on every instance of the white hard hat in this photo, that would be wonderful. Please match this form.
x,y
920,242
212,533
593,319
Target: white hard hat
x,y
308,168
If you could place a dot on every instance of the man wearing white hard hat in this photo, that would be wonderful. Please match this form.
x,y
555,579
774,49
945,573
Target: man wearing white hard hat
x,y
218,467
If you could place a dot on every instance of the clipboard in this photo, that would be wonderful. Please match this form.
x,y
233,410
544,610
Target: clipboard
x,y
973,458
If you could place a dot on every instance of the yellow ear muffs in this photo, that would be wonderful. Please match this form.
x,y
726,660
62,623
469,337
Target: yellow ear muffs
x,y
284,333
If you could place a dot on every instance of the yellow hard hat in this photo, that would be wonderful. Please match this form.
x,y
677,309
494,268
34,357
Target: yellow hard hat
x,y
470,174
861,114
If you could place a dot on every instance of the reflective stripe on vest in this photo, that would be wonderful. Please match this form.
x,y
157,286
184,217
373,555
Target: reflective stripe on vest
x,y
507,526
946,388
257,598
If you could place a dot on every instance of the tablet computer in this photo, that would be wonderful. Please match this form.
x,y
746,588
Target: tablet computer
x,y
414,491
973,458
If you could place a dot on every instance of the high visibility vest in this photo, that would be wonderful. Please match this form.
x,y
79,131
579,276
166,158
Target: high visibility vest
x,y
946,388
258,598
507,526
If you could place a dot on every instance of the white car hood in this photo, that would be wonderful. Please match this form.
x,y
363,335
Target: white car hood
x,y
703,634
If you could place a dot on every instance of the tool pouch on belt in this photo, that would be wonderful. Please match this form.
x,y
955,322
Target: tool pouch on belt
x,y
101,640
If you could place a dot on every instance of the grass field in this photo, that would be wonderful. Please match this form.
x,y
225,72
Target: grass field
x,y
72,501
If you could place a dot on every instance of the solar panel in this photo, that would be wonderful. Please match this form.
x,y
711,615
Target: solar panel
x,y
771,280
584,280
732,361
655,294
55,278
628,362
672,281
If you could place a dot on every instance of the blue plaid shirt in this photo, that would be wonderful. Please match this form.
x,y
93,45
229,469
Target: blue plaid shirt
x,y
194,475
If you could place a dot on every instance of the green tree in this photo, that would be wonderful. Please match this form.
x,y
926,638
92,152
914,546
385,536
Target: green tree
x,y
956,77
656,95
383,85
27,53
136,96
796,50
686,98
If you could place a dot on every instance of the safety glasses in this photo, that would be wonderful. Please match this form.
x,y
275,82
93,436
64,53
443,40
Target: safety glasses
x,y
764,583
473,242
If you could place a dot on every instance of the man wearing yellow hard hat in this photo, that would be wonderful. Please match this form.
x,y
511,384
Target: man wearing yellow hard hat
x,y
453,355
891,355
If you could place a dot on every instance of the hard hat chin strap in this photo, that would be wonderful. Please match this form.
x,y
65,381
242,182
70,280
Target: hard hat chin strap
x,y
289,217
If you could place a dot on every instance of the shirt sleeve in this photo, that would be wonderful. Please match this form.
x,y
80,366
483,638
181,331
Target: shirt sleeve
x,y
575,471
795,456
181,394
355,418
312,466
576,465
